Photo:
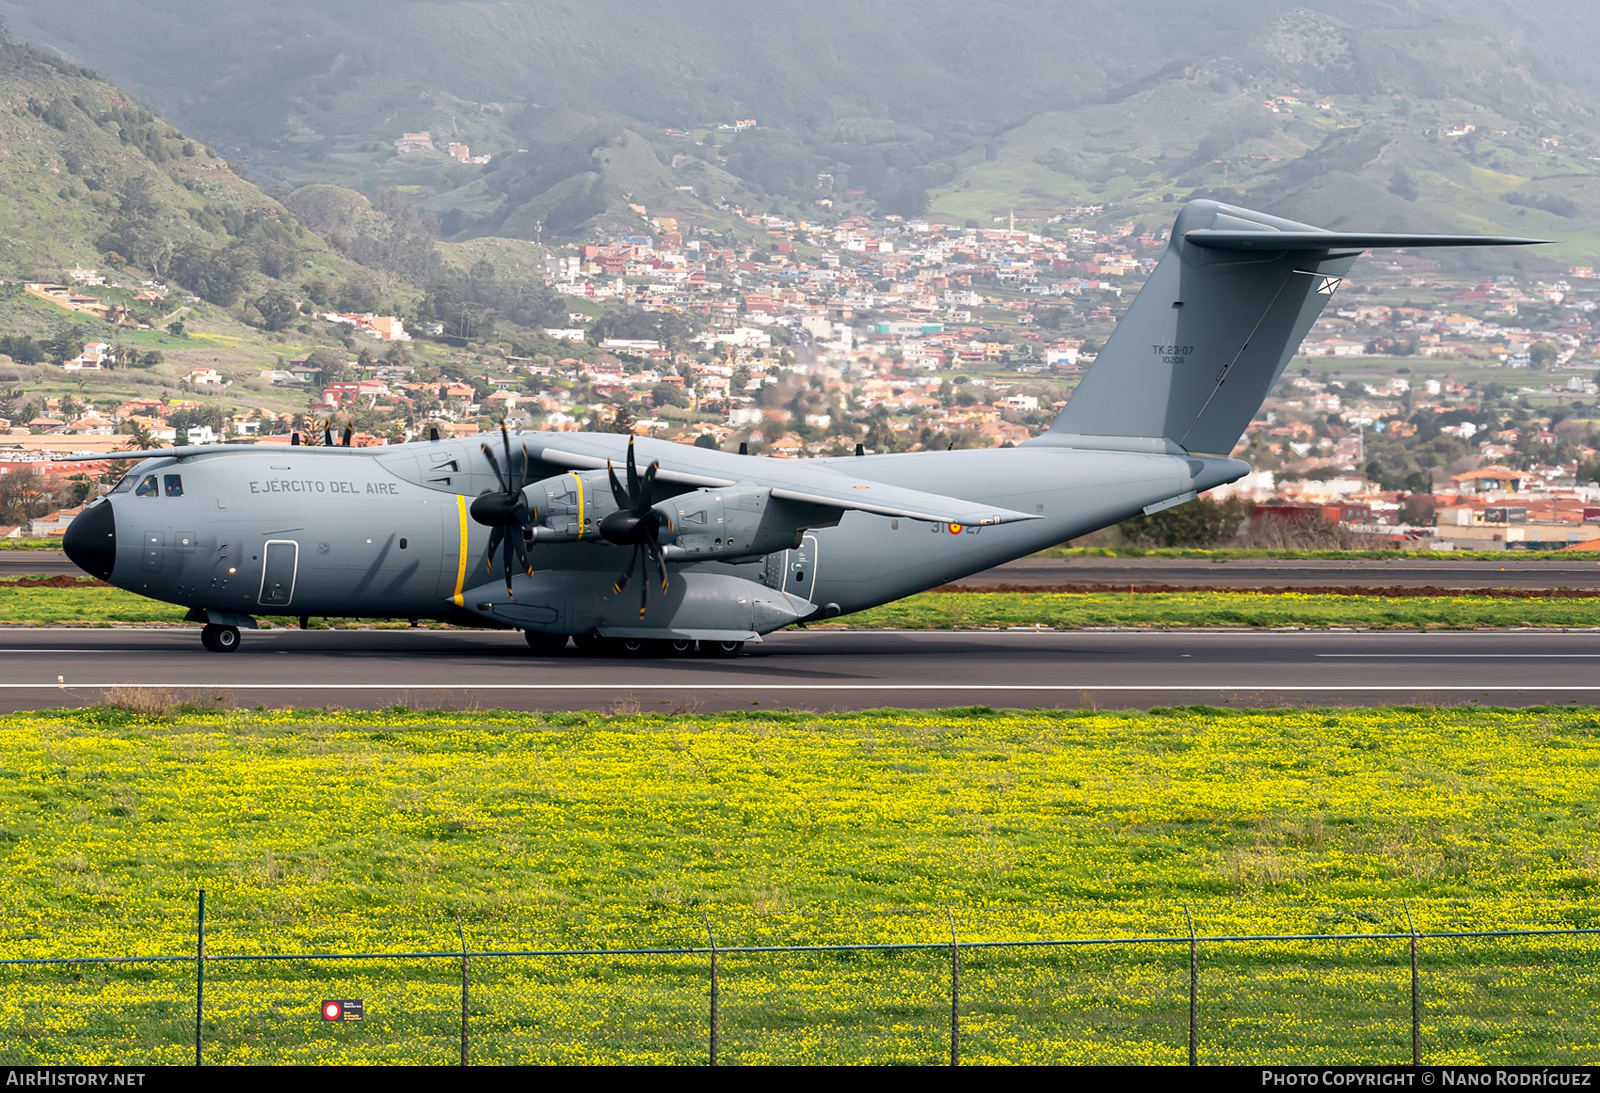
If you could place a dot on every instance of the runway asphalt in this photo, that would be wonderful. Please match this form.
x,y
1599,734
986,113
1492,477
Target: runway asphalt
x,y
812,670
1411,570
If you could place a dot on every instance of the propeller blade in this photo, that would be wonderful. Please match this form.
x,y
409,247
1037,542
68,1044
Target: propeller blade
x,y
624,502
627,574
493,462
644,596
660,559
495,535
348,433
647,491
507,558
633,478
523,556
327,434
505,439
522,473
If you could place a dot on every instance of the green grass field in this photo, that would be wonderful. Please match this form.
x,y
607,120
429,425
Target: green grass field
x,y
99,606
346,831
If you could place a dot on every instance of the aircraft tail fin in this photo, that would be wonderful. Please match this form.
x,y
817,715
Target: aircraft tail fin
x,y
1211,331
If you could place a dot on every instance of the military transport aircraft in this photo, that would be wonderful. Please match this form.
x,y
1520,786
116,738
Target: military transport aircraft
x,y
702,548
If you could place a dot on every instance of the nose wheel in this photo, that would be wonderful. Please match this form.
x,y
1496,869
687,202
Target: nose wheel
x,y
219,639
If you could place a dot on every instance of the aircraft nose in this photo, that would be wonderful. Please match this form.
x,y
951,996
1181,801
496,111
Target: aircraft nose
x,y
91,540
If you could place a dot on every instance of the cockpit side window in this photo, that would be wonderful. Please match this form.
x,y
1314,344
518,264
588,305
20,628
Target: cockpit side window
x,y
174,484
126,484
148,488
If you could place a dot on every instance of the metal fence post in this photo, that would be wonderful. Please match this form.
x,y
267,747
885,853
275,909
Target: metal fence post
x,y
714,1014
1194,991
199,972
955,992
1416,1007
463,934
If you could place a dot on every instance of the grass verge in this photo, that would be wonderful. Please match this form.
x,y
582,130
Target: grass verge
x,y
967,610
1229,554
342,830
96,605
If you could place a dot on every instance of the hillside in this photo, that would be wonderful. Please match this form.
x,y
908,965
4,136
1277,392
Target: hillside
x,y
93,179
880,106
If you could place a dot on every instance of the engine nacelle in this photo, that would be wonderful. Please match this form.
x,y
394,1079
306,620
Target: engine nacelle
x,y
569,507
725,522
737,522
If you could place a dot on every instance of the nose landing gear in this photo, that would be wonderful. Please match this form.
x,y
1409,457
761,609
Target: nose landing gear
x,y
219,639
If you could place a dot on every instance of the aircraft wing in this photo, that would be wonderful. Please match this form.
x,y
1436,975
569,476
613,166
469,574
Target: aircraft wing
x,y
794,480
176,453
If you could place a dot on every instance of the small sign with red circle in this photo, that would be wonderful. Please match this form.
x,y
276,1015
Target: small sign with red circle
x,y
341,1009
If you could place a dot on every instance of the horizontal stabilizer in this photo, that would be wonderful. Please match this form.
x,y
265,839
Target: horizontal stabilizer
x,y
1317,240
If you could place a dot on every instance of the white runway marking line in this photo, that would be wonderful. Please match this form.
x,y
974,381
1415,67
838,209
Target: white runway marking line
x,y
773,687
1461,656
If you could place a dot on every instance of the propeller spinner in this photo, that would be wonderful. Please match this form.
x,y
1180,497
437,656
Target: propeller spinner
x,y
637,523
504,511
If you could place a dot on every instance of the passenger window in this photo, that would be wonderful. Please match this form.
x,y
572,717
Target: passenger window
x,y
174,484
148,488
126,484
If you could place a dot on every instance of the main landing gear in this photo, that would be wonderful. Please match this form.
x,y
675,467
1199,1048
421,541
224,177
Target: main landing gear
x,y
219,639
591,645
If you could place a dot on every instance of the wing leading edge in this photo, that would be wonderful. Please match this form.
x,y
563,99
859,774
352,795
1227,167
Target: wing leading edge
x,y
817,485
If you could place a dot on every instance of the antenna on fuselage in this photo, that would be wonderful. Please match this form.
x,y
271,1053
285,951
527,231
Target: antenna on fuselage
x,y
744,448
433,432
294,440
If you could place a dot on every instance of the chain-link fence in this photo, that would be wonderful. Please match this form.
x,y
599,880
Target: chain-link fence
x,y
1399,996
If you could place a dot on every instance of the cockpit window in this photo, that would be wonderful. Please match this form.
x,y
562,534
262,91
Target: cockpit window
x,y
174,484
148,488
126,484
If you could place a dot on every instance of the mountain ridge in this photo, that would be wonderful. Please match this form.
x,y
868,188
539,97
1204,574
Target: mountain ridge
x,y
879,107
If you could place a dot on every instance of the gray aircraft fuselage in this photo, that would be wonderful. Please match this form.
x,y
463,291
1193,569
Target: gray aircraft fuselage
x,y
362,532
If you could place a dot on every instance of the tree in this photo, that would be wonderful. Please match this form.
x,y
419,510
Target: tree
x,y
331,362
1199,523
218,276
706,440
22,349
67,342
138,233
277,309
668,394
21,494
142,440
623,420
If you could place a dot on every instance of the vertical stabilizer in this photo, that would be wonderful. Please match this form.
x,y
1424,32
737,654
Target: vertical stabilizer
x,y
1208,335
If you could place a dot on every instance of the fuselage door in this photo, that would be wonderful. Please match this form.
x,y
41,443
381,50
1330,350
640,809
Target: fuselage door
x,y
280,559
800,576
